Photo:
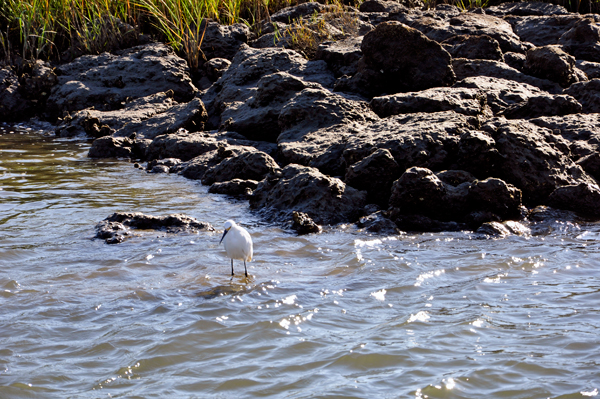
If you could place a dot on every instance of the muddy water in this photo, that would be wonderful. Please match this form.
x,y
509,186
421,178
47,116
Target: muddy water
x,y
341,314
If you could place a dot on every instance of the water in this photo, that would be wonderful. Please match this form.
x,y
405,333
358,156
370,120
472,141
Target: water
x,y
340,314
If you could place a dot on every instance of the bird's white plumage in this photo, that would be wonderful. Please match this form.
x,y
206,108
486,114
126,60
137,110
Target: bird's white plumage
x,y
238,243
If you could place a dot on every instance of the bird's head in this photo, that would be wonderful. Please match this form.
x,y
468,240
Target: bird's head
x,y
228,225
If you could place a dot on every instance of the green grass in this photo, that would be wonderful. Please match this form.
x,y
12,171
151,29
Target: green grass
x,y
63,29
51,29
59,29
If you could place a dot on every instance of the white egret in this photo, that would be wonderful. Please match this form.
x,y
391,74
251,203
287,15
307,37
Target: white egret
x,y
238,243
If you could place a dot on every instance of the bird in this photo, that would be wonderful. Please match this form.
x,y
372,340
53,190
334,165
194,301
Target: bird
x,y
238,243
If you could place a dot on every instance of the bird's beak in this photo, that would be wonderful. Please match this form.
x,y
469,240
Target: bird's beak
x,y
224,233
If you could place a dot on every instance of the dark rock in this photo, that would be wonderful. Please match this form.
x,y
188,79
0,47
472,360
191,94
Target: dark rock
x,y
13,106
215,67
447,10
115,227
107,229
464,101
494,195
147,117
239,83
349,24
465,68
543,105
182,145
534,160
289,14
172,223
526,8
582,132
374,174
518,228
478,47
504,229
591,69
223,41
235,187
327,200
272,27
397,58
545,214
543,30
501,93
303,224
455,177
477,153
441,27
341,56
515,60
36,85
112,232
160,169
588,94
420,192
424,139
382,6
374,18
551,63
239,162
258,118
583,40
413,139
196,167
111,147
107,81
377,223
591,164
493,229
168,165
93,127
582,198
312,109
226,162
274,39
185,145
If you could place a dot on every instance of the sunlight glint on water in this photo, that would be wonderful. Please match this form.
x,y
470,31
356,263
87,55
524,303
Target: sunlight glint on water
x,y
339,314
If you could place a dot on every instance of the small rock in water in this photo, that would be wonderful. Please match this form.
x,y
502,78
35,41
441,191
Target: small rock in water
x,y
377,223
115,228
494,229
303,224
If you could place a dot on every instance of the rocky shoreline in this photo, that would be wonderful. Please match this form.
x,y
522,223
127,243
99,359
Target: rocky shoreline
x,y
410,119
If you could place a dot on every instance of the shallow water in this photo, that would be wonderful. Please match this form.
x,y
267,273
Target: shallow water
x,y
341,314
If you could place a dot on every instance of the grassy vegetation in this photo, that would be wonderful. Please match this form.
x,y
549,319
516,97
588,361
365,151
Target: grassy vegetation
x,y
63,29
51,29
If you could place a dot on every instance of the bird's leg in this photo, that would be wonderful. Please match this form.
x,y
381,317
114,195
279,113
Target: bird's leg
x,y
232,267
246,270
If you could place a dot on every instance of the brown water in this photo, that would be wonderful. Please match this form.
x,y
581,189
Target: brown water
x,y
340,314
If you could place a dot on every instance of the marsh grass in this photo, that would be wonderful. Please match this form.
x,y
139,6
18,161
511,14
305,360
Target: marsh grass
x,y
62,29
305,34
180,23
51,29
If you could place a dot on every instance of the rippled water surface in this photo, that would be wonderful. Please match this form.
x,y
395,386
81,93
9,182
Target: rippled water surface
x,y
341,314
